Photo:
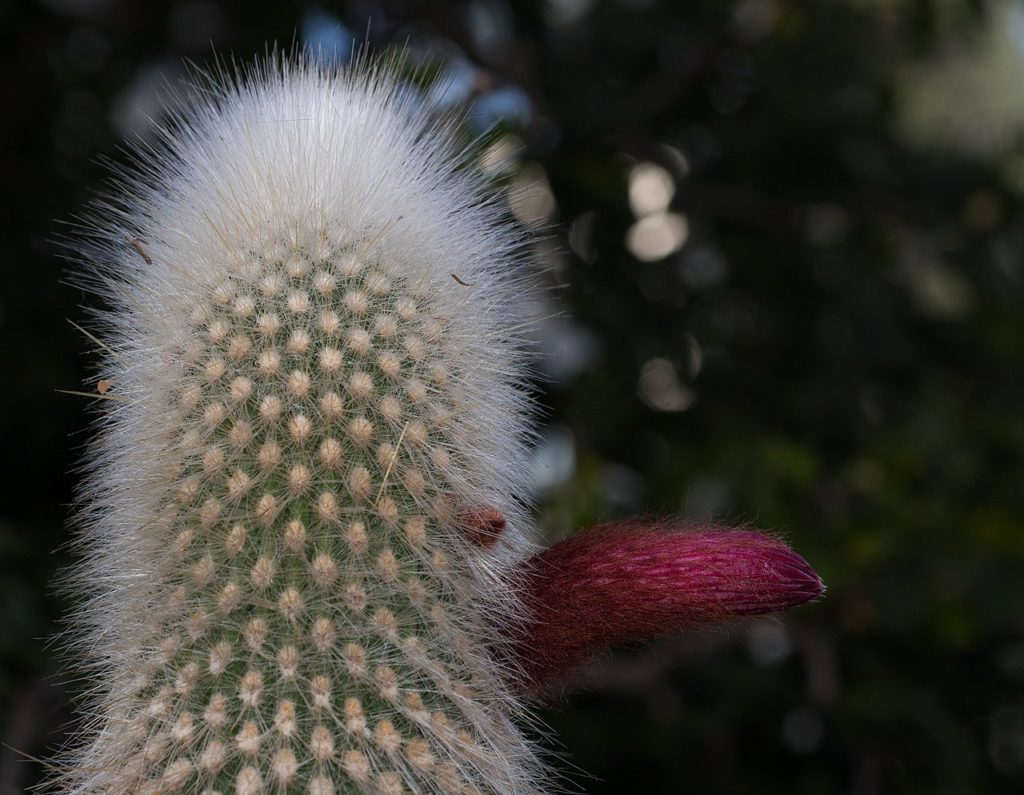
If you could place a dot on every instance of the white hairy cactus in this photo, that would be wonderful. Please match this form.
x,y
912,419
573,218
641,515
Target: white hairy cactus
x,y
315,377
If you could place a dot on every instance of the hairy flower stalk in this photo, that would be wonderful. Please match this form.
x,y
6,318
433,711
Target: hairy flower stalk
x,y
304,565
633,580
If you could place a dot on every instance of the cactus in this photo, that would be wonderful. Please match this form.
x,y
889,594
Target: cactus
x,y
315,374
305,567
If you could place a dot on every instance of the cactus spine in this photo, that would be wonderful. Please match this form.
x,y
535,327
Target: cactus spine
x,y
316,372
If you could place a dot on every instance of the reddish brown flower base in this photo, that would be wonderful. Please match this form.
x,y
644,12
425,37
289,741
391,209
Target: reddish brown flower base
x,y
482,525
636,580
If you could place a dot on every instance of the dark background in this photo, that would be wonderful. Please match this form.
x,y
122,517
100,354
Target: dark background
x,y
821,333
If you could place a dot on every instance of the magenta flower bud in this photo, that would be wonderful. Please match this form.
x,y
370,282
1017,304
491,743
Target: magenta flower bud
x,y
634,580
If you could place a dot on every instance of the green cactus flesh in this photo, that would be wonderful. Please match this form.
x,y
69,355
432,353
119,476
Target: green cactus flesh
x,y
318,634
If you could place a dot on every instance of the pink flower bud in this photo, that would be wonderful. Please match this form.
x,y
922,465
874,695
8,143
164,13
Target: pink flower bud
x,y
634,580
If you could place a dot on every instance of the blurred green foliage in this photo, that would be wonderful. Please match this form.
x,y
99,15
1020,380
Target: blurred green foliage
x,y
832,347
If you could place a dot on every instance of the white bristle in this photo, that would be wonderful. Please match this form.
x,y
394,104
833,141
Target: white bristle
x,y
314,343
